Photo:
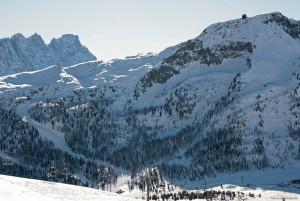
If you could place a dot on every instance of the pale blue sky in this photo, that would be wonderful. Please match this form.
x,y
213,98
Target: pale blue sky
x,y
118,28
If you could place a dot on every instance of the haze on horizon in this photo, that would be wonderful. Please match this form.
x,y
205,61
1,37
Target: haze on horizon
x,y
114,28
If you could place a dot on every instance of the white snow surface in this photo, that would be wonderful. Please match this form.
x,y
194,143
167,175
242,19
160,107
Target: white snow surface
x,y
45,131
15,189
49,82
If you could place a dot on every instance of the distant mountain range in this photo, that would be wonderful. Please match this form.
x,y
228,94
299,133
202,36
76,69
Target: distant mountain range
x,y
19,54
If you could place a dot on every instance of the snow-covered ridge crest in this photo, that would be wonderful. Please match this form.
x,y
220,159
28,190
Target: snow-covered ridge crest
x,y
250,29
51,81
121,73
18,53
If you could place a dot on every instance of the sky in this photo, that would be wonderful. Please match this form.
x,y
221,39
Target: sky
x,y
119,28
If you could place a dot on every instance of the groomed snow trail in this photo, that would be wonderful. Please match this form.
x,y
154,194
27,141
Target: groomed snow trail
x,y
45,131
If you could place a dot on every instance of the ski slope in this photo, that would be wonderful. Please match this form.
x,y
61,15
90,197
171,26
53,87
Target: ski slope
x,y
14,189
45,131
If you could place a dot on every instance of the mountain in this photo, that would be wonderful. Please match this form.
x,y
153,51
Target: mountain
x,y
224,102
19,54
230,40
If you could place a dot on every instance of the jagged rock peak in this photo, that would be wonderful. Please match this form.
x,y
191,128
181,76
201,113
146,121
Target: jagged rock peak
x,y
19,53
66,39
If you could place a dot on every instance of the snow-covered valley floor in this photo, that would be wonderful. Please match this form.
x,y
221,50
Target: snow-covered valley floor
x,y
15,189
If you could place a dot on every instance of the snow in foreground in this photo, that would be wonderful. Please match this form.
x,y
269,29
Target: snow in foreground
x,y
14,188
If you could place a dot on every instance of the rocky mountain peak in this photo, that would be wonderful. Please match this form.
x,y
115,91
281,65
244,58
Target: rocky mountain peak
x,y
66,40
70,51
19,53
18,36
36,39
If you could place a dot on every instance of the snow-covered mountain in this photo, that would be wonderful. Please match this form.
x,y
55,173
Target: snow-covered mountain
x,y
19,54
224,102
233,92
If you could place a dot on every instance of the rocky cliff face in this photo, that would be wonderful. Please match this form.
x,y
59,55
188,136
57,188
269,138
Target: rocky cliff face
x,y
193,51
19,54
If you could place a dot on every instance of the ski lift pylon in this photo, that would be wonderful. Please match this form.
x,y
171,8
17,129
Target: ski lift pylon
x,y
7,160
52,171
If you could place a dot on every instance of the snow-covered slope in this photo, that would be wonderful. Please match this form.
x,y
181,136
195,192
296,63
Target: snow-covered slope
x,y
18,54
223,102
49,82
13,189
122,72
